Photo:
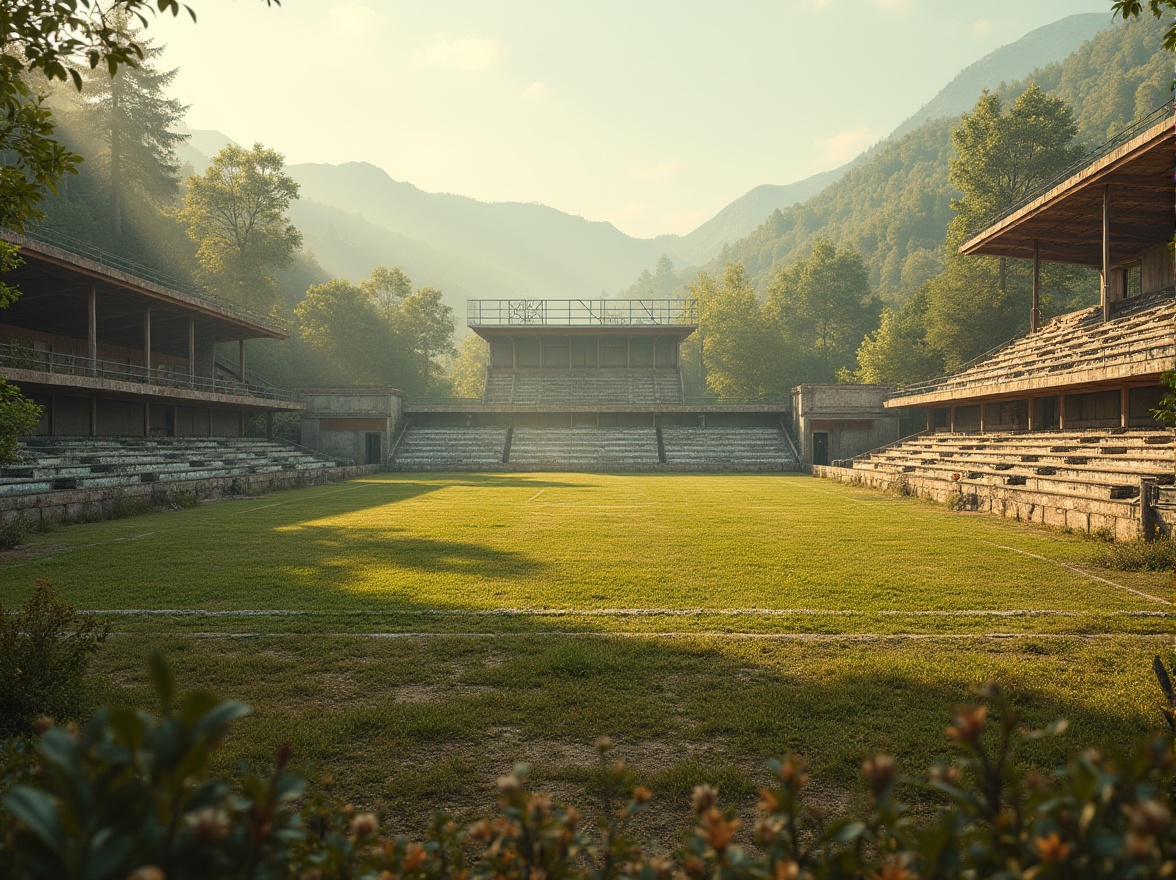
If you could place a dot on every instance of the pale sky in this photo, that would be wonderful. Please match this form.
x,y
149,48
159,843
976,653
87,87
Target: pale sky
x,y
652,115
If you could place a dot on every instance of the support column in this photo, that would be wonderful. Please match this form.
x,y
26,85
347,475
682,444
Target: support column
x,y
1124,406
92,331
1106,253
655,339
1035,311
93,416
1061,412
983,406
192,350
147,341
146,419
241,359
1031,421
951,418
927,419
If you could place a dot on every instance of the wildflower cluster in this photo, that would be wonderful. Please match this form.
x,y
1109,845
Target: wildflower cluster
x,y
130,796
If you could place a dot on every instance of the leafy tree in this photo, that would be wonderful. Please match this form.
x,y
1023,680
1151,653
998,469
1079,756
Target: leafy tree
x,y
738,345
340,323
897,353
236,214
467,371
421,327
1003,156
1161,9
379,330
821,307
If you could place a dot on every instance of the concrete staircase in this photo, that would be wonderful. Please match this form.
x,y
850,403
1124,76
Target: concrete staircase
x,y
584,449
744,449
440,449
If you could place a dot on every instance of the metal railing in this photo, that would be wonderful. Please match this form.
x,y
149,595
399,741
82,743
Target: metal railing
x,y
22,357
1118,139
581,312
78,247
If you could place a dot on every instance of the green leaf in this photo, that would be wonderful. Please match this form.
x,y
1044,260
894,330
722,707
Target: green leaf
x,y
218,719
161,677
107,852
38,811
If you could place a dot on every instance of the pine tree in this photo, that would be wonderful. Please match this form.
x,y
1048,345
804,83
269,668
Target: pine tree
x,y
125,123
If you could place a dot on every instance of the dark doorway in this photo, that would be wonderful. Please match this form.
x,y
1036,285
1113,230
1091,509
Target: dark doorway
x,y
372,444
820,448
1045,414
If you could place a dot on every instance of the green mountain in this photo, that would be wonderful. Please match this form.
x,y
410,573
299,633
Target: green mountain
x,y
1039,47
894,206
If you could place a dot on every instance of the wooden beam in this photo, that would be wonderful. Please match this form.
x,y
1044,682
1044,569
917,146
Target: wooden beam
x,y
1035,308
1106,254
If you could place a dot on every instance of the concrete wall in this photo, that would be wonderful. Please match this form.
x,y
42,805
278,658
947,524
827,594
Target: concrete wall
x,y
338,421
1120,518
80,503
584,351
851,417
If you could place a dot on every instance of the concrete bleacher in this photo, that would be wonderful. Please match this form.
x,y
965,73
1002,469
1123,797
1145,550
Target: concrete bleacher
x,y
728,448
431,449
1088,479
1073,344
583,388
589,449
593,449
70,464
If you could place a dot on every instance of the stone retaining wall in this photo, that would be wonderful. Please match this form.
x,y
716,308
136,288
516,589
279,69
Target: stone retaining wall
x,y
1121,518
83,503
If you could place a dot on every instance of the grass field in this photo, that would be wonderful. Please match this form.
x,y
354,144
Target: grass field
x,y
418,634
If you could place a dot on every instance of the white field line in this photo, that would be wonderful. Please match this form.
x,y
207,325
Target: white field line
x,y
616,612
1080,571
708,634
536,495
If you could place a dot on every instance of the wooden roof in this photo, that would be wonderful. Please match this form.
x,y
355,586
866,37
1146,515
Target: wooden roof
x,y
55,284
1067,220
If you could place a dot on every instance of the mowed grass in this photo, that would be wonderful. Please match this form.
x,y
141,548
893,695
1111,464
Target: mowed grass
x,y
415,635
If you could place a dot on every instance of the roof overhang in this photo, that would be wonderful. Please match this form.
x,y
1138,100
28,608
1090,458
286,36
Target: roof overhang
x,y
1067,221
55,286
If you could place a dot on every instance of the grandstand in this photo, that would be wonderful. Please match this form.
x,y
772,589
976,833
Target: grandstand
x,y
590,385
139,396
1056,426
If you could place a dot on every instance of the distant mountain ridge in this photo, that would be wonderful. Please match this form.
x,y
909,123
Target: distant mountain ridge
x,y
1045,45
895,206
355,216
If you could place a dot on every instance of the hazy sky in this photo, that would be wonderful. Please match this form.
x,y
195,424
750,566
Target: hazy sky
x,y
652,115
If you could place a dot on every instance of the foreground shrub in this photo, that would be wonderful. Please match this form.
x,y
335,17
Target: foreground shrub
x,y
130,796
1137,555
45,647
13,532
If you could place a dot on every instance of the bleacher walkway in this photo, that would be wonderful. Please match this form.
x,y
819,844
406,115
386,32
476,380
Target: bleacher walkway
x,y
1083,479
593,449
